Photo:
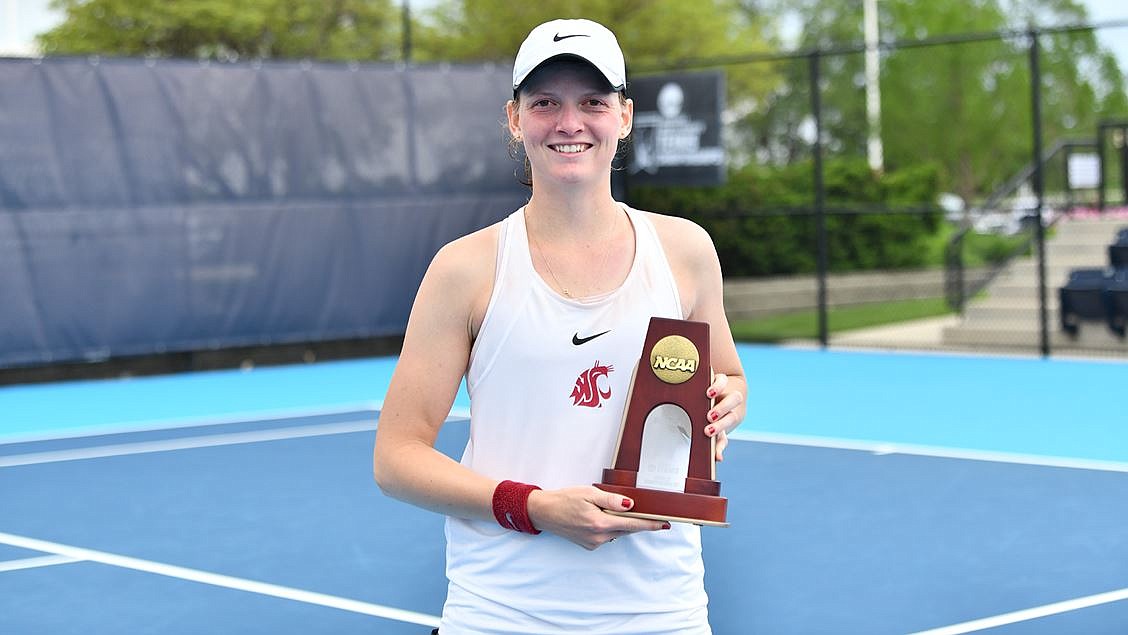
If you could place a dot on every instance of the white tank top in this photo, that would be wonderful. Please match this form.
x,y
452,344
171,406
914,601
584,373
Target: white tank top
x,y
548,381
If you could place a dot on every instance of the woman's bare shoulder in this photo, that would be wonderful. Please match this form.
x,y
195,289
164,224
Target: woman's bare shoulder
x,y
470,256
682,238
459,281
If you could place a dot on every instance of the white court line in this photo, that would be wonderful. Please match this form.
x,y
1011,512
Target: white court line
x,y
167,445
1029,614
457,412
35,563
216,579
172,424
188,443
884,448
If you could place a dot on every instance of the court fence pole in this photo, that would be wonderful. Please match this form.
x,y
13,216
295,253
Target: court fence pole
x,y
405,37
1039,187
813,60
1102,183
820,208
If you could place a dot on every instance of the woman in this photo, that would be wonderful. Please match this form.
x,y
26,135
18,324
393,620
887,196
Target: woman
x,y
555,298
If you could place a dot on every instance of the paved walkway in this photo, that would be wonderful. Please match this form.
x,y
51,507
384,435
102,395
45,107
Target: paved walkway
x,y
927,333
921,335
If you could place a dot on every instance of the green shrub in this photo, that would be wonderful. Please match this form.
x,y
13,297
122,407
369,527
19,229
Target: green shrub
x,y
992,249
762,220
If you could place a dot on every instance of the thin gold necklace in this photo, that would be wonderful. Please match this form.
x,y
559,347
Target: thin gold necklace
x,y
540,252
600,264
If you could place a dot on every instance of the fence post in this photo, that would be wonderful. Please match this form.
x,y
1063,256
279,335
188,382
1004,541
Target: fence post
x,y
954,282
405,36
1101,162
820,196
1039,187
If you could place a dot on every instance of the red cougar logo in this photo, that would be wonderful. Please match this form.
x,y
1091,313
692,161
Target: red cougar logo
x,y
587,391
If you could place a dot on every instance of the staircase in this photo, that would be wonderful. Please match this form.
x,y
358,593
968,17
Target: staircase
x,y
1005,317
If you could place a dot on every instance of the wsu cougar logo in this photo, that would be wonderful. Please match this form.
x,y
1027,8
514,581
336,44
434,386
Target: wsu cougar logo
x,y
587,391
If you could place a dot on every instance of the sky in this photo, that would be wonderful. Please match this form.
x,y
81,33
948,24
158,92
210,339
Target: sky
x,y
21,20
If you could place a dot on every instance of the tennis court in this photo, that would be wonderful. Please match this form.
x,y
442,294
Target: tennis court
x,y
868,493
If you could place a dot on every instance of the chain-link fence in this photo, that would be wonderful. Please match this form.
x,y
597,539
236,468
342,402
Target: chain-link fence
x,y
1030,194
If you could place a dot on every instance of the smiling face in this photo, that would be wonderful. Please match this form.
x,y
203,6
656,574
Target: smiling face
x,y
570,122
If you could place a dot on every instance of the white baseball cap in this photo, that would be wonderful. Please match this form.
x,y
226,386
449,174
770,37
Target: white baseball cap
x,y
587,40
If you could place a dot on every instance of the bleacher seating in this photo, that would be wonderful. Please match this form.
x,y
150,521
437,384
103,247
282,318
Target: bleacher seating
x,y
1116,302
1082,299
1092,295
1118,250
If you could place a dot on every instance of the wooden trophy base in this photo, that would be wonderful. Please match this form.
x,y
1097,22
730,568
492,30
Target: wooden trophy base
x,y
677,507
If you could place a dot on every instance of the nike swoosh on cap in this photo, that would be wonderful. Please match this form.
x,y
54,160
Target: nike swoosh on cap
x,y
558,37
577,340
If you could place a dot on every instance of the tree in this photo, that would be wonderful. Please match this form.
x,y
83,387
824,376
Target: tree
x,y
966,105
652,33
1082,82
223,29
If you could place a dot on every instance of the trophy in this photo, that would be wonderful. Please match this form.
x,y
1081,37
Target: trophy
x,y
663,459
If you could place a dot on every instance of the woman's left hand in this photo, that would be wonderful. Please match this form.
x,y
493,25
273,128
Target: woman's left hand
x,y
727,411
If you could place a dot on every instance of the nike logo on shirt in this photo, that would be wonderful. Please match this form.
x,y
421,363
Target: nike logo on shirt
x,y
577,340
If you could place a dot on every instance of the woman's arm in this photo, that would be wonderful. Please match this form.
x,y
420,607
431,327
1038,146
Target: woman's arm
x,y
432,362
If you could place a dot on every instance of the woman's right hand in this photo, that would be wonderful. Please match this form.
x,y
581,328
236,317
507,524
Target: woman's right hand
x,y
577,514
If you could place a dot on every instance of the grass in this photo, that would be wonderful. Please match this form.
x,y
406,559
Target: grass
x,y
804,324
979,249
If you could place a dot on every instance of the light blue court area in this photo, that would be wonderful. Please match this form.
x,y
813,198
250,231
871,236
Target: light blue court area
x,y
888,402
986,407
119,405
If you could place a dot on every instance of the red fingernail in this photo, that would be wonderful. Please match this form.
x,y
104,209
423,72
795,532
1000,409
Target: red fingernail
x,y
665,525
712,393
714,416
709,430
626,503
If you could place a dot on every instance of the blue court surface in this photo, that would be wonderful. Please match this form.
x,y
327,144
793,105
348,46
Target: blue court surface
x,y
868,493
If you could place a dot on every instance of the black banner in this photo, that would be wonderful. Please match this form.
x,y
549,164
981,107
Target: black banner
x,y
677,130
